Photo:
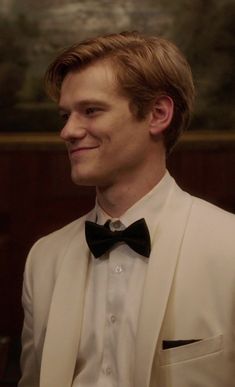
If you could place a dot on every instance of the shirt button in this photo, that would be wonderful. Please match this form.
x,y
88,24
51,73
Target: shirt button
x,y
118,269
107,371
116,224
113,319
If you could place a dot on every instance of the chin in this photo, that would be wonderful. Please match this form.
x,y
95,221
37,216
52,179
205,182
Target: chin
x,y
89,180
85,180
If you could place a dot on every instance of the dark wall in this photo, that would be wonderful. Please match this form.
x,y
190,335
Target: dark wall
x,y
37,197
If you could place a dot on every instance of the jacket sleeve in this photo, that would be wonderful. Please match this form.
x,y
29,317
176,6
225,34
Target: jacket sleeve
x,y
29,366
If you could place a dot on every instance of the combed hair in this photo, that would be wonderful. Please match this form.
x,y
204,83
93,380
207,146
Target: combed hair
x,y
145,67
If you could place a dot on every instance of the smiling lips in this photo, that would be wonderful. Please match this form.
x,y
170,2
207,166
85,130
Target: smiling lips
x,y
81,149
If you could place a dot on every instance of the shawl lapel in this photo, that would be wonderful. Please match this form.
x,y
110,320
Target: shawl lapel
x,y
65,317
163,260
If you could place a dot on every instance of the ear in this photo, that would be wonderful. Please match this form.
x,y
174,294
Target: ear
x,y
161,114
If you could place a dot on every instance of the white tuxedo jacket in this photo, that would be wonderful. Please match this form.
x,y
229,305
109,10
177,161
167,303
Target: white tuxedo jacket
x,y
189,295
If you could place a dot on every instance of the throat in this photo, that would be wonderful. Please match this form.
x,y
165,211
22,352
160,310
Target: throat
x,y
115,201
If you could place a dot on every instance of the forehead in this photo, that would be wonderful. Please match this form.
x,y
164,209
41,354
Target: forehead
x,y
98,78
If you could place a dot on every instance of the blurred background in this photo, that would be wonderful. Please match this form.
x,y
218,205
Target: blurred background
x,y
36,194
32,32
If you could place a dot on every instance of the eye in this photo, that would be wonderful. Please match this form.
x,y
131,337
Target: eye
x,y
91,110
64,117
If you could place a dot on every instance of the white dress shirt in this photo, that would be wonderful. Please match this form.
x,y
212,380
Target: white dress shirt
x,y
114,289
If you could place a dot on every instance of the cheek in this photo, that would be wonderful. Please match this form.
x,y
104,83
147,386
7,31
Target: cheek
x,y
100,130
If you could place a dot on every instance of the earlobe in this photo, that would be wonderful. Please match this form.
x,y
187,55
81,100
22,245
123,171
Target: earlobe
x,y
161,114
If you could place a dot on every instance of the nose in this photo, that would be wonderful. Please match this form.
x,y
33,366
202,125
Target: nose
x,y
73,130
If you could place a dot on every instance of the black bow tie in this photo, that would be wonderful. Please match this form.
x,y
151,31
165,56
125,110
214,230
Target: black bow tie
x,y
100,238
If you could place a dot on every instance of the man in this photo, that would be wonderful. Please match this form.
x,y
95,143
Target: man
x,y
148,299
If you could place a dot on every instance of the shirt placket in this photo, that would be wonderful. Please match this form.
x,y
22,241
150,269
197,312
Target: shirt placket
x,y
119,269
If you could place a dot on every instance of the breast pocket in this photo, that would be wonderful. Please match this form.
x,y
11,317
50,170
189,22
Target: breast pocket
x,y
191,351
201,363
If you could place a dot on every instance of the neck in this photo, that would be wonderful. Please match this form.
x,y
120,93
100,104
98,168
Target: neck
x,y
117,198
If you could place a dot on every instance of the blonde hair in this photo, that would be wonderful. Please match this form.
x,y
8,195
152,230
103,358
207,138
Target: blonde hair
x,y
145,67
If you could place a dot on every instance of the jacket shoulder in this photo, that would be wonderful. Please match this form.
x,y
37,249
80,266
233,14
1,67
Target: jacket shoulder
x,y
59,237
212,226
49,250
209,212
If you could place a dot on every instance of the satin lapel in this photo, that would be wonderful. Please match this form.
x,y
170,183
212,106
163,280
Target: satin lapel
x,y
65,318
167,241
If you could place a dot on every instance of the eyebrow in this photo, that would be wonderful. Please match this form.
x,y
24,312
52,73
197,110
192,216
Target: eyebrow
x,y
84,103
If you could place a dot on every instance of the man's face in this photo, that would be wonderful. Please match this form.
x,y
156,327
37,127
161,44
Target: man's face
x,y
106,144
